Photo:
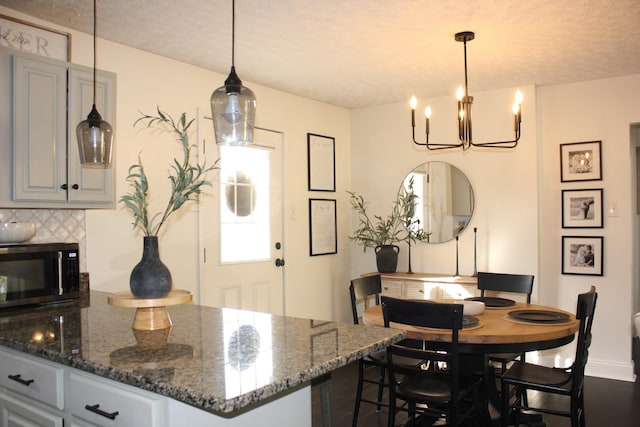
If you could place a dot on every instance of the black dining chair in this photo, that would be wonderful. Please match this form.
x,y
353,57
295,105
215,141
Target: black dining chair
x,y
511,283
564,381
436,390
366,291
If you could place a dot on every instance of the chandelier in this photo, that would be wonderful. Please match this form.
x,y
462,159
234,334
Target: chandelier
x,y
465,101
233,106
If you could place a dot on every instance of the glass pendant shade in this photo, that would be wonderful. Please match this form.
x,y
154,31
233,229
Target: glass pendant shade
x,y
95,140
233,108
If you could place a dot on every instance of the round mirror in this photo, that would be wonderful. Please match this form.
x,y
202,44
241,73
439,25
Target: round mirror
x,y
444,202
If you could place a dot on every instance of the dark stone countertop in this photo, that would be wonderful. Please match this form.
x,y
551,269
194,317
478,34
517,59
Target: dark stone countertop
x,y
219,360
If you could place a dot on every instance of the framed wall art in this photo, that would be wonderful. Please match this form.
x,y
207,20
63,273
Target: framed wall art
x,y
581,161
31,38
582,255
582,208
321,162
323,233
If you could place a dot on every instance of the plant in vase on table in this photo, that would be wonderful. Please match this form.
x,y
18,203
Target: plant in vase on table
x,y
150,278
382,233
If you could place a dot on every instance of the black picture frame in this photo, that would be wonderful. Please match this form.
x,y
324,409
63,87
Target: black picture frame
x,y
582,208
321,163
583,255
581,161
323,232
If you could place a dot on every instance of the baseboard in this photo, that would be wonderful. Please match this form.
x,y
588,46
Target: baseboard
x,y
613,371
601,368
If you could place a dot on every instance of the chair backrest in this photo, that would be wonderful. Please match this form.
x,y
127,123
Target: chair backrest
x,y
584,313
501,282
424,313
364,289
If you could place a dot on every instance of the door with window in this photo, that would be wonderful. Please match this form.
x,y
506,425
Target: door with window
x,y
242,224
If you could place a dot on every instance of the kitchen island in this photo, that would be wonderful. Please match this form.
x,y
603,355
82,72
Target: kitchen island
x,y
219,366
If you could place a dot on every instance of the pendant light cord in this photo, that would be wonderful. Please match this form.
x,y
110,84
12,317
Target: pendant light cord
x,y
95,19
233,32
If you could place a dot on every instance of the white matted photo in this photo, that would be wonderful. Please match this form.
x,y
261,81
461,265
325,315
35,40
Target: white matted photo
x,y
582,255
323,233
321,162
581,161
582,208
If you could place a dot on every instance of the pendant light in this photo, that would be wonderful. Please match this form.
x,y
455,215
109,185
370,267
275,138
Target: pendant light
x,y
233,106
95,136
465,102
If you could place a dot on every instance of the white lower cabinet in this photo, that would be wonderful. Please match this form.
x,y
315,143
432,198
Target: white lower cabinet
x,y
93,401
16,411
36,392
89,400
31,392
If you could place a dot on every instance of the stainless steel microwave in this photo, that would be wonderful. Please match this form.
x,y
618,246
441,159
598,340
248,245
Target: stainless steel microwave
x,y
38,273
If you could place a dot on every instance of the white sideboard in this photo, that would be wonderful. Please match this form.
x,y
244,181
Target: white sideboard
x,y
428,286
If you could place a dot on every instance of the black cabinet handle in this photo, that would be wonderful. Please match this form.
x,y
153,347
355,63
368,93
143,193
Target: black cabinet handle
x,y
75,186
18,378
64,186
96,410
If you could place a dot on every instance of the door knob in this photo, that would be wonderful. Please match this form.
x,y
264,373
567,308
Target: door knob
x,y
279,262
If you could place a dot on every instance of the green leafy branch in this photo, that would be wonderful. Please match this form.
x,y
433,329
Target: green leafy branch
x,y
399,226
187,180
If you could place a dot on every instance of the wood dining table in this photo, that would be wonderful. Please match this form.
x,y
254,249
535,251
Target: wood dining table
x,y
495,332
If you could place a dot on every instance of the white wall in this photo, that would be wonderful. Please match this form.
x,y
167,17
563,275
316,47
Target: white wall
x,y
596,110
314,286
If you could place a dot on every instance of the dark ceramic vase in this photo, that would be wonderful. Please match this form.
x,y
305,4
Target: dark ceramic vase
x,y
150,278
387,258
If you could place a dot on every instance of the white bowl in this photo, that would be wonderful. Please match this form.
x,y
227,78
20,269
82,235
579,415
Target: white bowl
x,y
16,232
472,308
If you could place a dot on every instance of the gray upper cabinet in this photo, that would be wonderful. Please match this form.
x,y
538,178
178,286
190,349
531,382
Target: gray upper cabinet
x,y
48,98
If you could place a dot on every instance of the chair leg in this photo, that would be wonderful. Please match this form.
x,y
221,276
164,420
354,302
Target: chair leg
x,y
380,388
392,411
583,421
356,408
577,411
506,408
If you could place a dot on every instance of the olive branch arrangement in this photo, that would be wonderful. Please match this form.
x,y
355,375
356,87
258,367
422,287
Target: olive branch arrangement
x,y
399,225
187,179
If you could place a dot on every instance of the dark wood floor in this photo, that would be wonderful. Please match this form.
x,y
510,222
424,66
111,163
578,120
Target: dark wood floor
x,y
608,403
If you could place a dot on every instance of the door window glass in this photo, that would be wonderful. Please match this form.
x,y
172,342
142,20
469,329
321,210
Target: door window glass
x,y
244,205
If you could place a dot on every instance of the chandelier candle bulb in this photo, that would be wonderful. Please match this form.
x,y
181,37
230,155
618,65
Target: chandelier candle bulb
x,y
414,103
427,115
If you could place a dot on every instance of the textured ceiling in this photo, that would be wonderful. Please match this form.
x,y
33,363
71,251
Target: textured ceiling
x,y
356,53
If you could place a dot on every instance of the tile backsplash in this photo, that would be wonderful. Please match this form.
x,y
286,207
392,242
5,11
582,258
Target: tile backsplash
x,y
53,225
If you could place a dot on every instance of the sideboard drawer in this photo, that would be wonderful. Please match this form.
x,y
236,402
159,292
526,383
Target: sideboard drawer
x,y
421,290
458,290
38,380
392,288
